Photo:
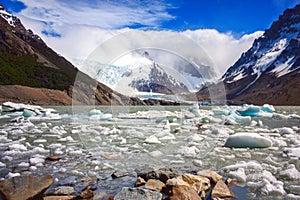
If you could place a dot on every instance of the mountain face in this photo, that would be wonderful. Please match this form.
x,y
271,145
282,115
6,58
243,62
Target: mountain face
x,y
28,62
269,72
138,73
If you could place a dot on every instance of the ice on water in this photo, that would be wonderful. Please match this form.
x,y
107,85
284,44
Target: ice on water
x,y
246,143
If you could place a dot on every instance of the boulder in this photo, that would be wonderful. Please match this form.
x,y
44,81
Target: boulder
x,y
154,172
221,190
183,192
61,190
155,184
212,175
26,186
139,182
59,197
138,193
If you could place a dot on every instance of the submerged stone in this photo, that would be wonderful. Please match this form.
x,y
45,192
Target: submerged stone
x,y
138,193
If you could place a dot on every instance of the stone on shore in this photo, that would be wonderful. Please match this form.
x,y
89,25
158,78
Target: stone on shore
x,y
138,193
221,190
160,173
155,184
212,175
183,192
26,186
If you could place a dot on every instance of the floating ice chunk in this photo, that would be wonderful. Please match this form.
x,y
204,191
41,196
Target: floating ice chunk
x,y
40,150
198,163
23,164
11,175
247,140
239,118
225,110
66,139
36,160
290,173
194,138
268,108
106,116
152,140
192,151
248,110
156,153
95,112
20,147
275,189
28,113
2,165
292,152
292,197
75,153
286,130
239,175
251,165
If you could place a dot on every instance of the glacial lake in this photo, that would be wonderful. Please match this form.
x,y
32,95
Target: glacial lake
x,y
122,138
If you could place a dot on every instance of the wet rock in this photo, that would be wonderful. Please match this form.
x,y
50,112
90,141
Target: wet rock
x,y
53,158
161,173
212,175
199,183
138,193
221,190
119,174
155,184
59,198
86,194
183,192
26,186
61,190
139,182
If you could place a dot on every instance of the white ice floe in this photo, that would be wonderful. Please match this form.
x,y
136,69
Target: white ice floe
x,y
292,152
247,140
286,130
239,175
290,173
251,165
20,147
11,175
35,160
2,165
152,140
192,151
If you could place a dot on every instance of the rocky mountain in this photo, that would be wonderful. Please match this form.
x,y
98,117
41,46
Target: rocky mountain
x,y
269,72
32,72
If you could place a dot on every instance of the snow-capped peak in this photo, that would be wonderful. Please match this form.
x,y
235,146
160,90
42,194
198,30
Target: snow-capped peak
x,y
11,20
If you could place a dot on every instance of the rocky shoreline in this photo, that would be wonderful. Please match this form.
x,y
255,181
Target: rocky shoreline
x,y
151,183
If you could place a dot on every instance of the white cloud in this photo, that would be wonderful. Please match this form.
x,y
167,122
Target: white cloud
x,y
83,27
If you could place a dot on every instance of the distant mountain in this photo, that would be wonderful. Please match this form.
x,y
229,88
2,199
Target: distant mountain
x,y
42,76
269,72
139,72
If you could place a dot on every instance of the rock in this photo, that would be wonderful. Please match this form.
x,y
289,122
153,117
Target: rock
x,y
155,184
87,194
139,182
247,140
183,192
119,174
212,175
161,173
137,193
59,198
61,190
221,190
199,183
26,186
53,158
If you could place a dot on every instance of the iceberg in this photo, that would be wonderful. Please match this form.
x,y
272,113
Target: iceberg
x,y
249,110
268,108
247,140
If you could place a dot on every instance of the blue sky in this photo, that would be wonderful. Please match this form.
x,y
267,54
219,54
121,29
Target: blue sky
x,y
236,16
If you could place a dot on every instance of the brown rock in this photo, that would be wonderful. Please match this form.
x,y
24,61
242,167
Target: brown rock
x,y
68,197
199,183
183,192
87,194
53,158
155,184
212,175
26,186
177,181
139,182
221,190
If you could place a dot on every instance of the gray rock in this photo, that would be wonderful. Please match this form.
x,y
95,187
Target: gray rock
x,y
138,193
61,190
153,172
